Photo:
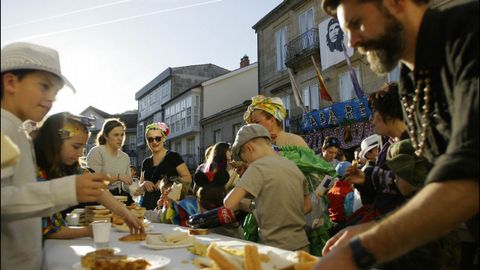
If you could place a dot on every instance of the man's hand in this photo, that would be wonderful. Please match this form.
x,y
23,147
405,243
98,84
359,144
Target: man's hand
x,y
340,258
90,186
354,175
343,236
149,186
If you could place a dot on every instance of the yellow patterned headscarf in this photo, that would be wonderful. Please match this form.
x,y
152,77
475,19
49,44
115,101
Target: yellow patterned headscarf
x,y
272,105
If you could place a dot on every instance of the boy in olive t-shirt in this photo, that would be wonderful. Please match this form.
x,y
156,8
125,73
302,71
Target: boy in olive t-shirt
x,y
278,188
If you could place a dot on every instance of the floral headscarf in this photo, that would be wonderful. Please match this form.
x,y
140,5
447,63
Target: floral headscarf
x,y
272,105
158,126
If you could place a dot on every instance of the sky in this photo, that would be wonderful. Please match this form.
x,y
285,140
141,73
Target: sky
x,y
110,49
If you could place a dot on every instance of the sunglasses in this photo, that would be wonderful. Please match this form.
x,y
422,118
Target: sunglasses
x,y
157,139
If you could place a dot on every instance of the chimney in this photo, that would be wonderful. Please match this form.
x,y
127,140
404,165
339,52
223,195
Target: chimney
x,y
244,61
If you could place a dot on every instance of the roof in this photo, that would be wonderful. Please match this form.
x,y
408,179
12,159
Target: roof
x,y
98,111
129,119
167,73
156,81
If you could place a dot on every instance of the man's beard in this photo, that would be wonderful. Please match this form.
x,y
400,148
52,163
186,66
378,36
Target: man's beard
x,y
385,52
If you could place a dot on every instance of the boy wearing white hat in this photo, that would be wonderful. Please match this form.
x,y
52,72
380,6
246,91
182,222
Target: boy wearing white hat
x,y
31,79
369,150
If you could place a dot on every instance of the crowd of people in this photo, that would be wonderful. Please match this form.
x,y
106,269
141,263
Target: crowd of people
x,y
398,204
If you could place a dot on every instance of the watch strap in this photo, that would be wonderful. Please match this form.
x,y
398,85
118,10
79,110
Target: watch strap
x,y
361,256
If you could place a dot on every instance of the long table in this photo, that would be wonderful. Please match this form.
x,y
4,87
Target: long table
x,y
63,254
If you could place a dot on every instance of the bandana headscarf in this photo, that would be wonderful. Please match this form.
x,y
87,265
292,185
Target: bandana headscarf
x,y
158,126
272,105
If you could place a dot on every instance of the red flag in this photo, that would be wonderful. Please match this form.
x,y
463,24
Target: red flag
x,y
321,84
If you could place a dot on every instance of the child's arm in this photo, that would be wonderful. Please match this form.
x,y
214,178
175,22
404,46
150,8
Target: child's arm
x,y
233,198
115,206
307,204
70,233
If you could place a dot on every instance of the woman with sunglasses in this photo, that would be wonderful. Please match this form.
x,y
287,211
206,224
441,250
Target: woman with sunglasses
x,y
161,163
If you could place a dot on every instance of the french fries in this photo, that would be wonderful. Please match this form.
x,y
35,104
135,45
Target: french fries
x,y
251,258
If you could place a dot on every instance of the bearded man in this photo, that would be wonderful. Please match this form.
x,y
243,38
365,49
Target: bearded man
x,y
438,51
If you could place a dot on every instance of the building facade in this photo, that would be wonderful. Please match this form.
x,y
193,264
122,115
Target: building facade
x,y
225,100
182,115
169,84
289,47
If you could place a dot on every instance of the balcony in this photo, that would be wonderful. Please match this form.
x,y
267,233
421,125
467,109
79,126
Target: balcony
x,y
302,47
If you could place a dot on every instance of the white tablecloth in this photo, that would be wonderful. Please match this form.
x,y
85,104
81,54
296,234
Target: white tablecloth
x,y
63,254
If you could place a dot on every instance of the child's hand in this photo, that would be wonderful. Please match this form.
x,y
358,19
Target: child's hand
x,y
134,223
241,169
354,175
90,186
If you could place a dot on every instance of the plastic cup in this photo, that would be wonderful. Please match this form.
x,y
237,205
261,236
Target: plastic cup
x,y
101,234
73,219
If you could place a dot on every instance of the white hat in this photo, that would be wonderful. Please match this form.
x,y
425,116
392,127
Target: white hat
x,y
368,144
22,55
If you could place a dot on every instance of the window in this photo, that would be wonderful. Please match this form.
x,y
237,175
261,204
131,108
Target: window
x,y
178,147
394,75
217,135
235,129
286,103
140,133
132,139
311,97
306,21
280,42
133,161
191,146
346,86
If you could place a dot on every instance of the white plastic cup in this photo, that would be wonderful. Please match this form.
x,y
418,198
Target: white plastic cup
x,y
73,219
133,188
101,234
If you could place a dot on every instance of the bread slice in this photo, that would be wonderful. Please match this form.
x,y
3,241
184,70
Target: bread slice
x,y
224,260
10,152
175,237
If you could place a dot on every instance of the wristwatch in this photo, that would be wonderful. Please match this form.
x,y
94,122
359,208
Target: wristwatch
x,y
361,256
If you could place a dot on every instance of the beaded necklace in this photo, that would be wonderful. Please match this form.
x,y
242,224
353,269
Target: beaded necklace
x,y
418,142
